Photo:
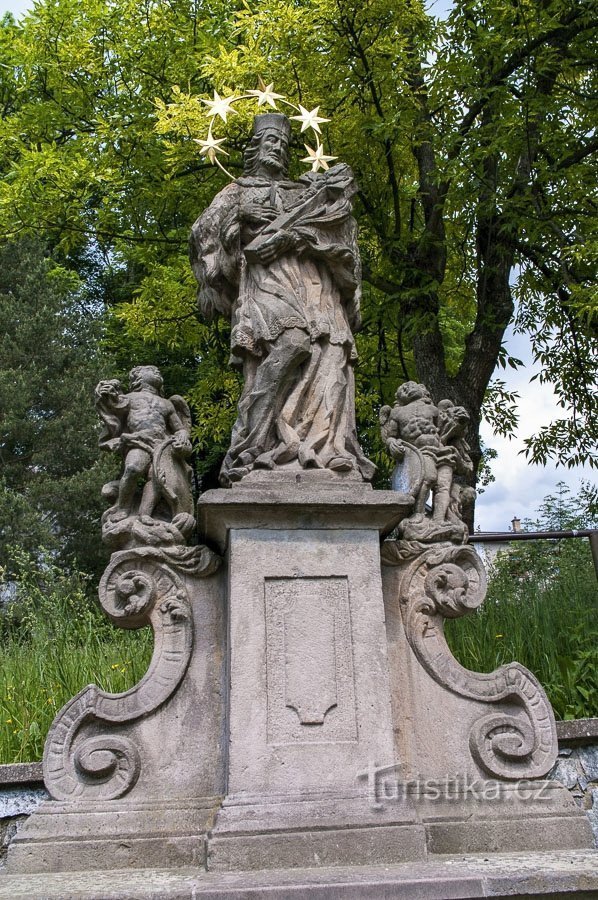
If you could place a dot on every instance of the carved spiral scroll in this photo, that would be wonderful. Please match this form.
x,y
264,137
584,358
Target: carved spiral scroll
x,y
447,581
89,762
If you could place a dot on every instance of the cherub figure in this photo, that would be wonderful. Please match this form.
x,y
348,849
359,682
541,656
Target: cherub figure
x,y
453,423
152,435
429,445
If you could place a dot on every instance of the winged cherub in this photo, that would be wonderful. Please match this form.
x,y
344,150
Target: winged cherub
x,y
151,433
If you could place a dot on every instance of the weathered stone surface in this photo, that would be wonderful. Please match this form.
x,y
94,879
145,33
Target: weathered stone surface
x,y
566,772
90,836
578,730
589,762
281,259
432,456
136,777
484,732
158,747
21,773
151,434
21,801
309,502
501,721
309,703
541,875
593,814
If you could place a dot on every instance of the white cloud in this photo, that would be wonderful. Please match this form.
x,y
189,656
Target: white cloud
x,y
520,487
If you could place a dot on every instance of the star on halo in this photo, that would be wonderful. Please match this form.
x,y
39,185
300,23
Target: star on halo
x,y
317,158
266,94
211,147
220,106
309,119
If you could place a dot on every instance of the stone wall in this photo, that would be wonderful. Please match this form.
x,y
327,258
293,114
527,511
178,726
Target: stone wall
x,y
577,765
21,792
22,789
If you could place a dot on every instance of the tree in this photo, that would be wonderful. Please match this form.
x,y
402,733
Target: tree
x,y
472,140
50,476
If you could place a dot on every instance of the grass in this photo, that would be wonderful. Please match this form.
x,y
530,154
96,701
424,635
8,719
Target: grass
x,y
55,641
542,611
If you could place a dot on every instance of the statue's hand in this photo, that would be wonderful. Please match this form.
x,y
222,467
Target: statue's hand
x,y
274,246
396,448
181,443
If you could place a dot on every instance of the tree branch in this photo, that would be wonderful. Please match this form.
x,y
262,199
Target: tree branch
x,y
568,28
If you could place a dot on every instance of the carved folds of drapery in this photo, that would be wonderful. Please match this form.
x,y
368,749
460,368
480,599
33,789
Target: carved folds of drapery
x,y
85,756
448,581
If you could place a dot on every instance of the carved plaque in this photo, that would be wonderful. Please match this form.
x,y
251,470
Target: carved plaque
x,y
309,661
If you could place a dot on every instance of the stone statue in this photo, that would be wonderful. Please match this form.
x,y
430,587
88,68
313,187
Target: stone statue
x,y
152,435
429,445
280,258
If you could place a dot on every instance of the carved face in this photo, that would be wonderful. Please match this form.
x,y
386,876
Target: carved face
x,y
145,376
273,151
411,391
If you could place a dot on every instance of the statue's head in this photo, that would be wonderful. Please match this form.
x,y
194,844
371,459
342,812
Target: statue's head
x,y
146,377
268,150
458,414
411,391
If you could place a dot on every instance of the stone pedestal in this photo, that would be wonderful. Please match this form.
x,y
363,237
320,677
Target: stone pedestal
x,y
355,736
309,704
326,725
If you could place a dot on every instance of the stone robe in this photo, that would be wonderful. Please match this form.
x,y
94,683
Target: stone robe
x,y
310,293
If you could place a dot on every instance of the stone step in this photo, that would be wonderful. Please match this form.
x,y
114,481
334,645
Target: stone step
x,y
541,875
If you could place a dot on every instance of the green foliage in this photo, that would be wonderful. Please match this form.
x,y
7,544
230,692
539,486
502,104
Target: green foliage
x,y
472,141
542,610
51,473
54,641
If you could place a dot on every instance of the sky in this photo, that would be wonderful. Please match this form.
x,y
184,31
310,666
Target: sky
x,y
519,487
16,7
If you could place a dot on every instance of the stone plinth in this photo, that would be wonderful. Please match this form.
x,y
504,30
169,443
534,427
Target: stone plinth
x,y
305,500
309,703
325,724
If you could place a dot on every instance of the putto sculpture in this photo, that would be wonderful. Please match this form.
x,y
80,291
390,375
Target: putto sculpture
x,y
152,500
428,443
280,258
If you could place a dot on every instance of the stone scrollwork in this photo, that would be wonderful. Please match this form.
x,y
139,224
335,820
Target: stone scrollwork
x,y
447,581
84,757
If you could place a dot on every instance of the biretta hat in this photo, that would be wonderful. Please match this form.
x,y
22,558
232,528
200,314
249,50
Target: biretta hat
x,y
272,122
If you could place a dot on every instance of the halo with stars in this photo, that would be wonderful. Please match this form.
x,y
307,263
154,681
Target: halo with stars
x,y
266,96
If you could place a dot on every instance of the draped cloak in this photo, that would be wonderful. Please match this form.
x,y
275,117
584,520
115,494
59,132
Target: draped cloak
x,y
314,288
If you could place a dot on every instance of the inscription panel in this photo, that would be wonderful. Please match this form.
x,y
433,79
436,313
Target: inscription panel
x,y
309,661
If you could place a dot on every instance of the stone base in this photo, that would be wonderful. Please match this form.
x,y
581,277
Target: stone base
x,y
114,835
489,837
524,817
336,831
540,875
252,834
